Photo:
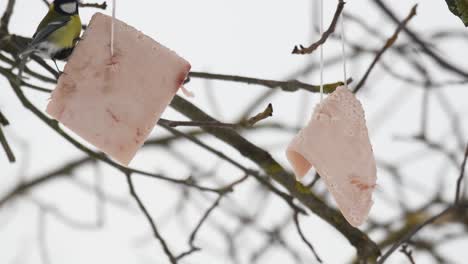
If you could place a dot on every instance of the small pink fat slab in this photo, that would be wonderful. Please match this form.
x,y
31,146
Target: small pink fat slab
x,y
336,142
115,102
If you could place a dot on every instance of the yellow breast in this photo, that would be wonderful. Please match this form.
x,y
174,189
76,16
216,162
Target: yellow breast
x,y
66,36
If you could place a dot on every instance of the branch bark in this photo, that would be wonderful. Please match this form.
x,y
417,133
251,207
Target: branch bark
x,y
303,50
287,86
387,45
154,228
5,20
425,48
6,147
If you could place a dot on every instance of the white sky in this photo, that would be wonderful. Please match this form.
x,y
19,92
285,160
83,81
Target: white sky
x,y
252,38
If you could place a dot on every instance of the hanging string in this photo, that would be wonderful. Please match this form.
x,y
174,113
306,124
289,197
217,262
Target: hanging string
x,y
343,49
112,28
321,51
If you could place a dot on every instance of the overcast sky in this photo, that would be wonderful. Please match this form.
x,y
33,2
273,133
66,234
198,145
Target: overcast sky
x,y
252,38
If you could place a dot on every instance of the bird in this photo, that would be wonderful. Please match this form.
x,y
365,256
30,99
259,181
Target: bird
x,y
57,33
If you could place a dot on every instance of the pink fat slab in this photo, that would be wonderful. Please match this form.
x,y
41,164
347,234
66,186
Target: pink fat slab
x,y
336,142
115,102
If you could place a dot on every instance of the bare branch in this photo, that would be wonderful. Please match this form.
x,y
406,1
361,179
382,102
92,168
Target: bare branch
x,y
303,50
287,86
304,239
63,171
387,45
457,206
102,5
3,120
247,123
156,233
413,232
268,112
205,216
6,147
408,253
460,178
5,20
424,46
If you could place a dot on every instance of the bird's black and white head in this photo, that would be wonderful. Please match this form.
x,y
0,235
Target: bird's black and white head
x,y
66,7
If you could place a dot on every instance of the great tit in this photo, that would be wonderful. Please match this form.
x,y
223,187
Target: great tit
x,y
58,32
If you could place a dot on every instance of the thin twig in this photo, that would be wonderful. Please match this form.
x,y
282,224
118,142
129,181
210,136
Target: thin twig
x,y
228,189
244,124
287,86
193,235
3,120
6,147
303,50
103,5
5,20
54,211
268,112
303,237
63,171
408,253
409,235
422,44
460,178
156,233
172,123
387,45
457,206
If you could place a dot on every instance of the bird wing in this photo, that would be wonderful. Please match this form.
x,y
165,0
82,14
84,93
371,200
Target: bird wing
x,y
48,29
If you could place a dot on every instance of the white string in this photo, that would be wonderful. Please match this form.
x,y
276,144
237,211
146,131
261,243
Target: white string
x,y
112,28
343,49
321,51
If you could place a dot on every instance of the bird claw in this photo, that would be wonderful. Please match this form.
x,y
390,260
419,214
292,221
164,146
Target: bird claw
x,y
59,74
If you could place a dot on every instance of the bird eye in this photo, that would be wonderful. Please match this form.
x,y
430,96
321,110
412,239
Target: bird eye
x,y
69,8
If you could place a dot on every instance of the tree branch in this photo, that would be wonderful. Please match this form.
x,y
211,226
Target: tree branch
x,y
103,5
6,147
244,124
456,207
409,235
408,253
3,120
425,48
302,50
156,233
287,86
387,45
5,20
205,216
303,237
460,178
37,181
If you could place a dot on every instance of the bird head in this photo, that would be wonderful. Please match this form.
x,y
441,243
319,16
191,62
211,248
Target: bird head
x,y
66,7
